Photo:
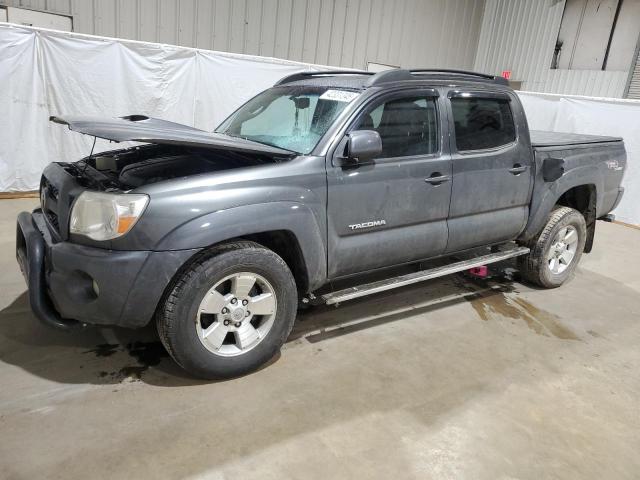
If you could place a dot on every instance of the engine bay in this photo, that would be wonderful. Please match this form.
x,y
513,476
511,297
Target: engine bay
x,y
142,165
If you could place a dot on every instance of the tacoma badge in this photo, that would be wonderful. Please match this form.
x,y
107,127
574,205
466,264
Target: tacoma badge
x,y
374,223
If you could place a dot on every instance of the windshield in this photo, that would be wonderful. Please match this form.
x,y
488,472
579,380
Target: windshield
x,y
293,118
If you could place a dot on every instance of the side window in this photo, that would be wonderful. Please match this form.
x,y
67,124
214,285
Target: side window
x,y
482,123
407,126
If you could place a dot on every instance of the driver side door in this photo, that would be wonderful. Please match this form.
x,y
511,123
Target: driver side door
x,y
393,209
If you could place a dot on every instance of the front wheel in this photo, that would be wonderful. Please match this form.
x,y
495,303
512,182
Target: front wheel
x,y
556,251
229,312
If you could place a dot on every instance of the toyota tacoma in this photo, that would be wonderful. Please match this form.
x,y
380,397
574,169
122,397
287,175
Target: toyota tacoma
x,y
321,180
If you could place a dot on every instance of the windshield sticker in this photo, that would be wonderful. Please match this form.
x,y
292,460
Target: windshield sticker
x,y
338,95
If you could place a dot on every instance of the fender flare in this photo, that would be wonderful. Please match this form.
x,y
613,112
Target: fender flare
x,y
546,196
221,225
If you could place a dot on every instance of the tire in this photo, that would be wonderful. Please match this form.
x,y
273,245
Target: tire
x,y
210,343
542,266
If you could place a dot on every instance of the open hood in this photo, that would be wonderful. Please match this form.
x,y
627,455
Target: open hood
x,y
139,128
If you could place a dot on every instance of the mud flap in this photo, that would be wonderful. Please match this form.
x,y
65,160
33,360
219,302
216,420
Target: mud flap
x,y
591,233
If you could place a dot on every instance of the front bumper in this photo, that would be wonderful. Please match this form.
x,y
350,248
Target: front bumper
x,y
71,285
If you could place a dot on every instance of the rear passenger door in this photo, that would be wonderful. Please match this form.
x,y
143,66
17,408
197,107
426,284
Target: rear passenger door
x,y
491,165
393,209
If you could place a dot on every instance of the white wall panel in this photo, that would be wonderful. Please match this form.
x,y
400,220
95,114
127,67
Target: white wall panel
x,y
23,16
520,35
348,33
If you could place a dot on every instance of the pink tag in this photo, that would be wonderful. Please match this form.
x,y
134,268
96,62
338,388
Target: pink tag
x,y
481,272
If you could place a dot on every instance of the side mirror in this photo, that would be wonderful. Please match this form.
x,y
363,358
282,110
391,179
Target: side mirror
x,y
362,146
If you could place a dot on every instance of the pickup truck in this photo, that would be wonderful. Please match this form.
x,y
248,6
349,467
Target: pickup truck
x,y
326,177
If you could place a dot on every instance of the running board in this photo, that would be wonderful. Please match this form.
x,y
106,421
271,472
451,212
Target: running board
x,y
415,277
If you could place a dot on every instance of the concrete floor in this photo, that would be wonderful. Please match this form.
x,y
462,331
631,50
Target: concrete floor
x,y
455,378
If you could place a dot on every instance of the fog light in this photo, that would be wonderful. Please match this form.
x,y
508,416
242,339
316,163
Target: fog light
x,y
81,287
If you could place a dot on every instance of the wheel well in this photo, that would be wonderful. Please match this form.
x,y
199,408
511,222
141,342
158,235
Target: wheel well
x,y
282,242
285,244
583,199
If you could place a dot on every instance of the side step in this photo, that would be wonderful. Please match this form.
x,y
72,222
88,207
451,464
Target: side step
x,y
415,277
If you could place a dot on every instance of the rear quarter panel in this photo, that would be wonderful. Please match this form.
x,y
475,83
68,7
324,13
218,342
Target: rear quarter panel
x,y
598,164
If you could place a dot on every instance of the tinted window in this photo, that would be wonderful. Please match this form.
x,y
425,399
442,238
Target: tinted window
x,y
407,126
482,123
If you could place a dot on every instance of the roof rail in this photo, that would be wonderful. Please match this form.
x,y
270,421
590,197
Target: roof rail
x,y
386,76
397,75
496,78
323,73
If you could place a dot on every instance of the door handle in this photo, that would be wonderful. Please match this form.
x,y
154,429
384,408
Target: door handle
x,y
517,169
437,178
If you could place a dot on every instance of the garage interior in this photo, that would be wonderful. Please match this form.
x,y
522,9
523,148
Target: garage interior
x,y
457,377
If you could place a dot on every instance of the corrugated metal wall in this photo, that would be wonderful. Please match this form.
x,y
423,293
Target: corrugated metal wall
x,y
349,33
520,35
633,90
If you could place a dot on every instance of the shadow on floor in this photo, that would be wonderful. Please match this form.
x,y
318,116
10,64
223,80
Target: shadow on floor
x,y
114,355
92,355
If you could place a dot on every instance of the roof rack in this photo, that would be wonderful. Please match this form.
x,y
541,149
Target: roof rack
x,y
397,75
495,78
393,75
323,73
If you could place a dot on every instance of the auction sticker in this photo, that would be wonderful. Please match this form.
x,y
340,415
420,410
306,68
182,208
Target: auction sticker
x,y
338,95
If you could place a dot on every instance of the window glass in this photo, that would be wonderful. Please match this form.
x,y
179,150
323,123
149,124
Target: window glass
x,y
279,119
482,123
407,126
293,117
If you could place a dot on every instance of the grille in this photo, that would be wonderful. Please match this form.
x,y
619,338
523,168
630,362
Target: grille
x,y
50,189
49,203
53,220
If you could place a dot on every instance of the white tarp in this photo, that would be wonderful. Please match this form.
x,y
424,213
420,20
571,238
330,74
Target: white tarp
x,y
596,116
45,72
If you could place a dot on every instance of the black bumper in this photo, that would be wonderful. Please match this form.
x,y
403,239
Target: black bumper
x,y
30,252
71,285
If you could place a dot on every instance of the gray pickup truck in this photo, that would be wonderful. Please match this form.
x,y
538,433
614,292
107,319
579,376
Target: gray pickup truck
x,y
318,181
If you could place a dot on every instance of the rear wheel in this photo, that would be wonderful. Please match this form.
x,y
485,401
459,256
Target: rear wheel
x,y
556,251
229,312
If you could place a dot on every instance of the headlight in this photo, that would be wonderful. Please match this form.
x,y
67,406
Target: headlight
x,y
104,216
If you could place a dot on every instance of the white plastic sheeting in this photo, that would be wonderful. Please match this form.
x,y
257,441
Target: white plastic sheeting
x,y
596,116
45,72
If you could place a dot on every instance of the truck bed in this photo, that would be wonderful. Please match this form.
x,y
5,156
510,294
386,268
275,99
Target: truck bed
x,y
541,138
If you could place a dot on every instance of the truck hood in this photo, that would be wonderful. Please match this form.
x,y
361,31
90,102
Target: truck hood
x,y
139,128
